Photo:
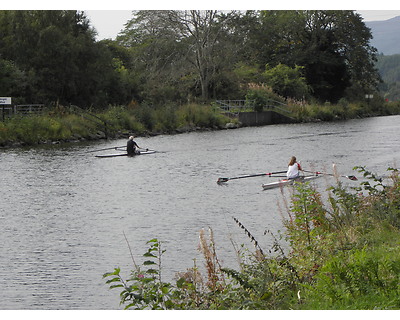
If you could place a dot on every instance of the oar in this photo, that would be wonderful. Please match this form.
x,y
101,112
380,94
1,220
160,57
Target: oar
x,y
220,180
115,148
153,150
330,174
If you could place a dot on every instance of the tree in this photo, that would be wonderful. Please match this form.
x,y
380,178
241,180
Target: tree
x,y
13,82
286,81
157,56
332,46
58,51
185,46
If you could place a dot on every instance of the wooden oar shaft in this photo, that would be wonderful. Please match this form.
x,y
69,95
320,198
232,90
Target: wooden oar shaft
x,y
249,176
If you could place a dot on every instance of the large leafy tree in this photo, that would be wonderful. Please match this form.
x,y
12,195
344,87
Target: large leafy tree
x,y
181,50
57,49
157,56
12,81
332,46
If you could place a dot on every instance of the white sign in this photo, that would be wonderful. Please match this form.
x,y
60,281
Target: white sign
x,y
5,100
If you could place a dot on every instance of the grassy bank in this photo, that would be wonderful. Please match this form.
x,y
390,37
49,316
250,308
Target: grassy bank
x,y
344,254
62,124
343,110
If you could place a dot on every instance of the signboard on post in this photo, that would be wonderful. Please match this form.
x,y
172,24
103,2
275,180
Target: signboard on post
x,y
5,100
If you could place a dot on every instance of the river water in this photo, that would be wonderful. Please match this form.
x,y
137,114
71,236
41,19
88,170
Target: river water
x,y
64,212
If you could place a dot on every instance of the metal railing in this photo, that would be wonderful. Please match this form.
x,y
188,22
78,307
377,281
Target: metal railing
x,y
20,109
236,106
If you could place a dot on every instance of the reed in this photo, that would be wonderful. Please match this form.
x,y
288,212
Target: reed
x,y
213,267
259,252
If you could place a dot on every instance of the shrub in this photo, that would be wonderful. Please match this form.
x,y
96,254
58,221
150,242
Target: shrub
x,y
259,96
286,81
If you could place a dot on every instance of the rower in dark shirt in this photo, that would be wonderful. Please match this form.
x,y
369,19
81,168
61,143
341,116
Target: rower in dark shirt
x,y
131,147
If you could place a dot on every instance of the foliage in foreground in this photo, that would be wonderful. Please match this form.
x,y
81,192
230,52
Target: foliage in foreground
x,y
345,254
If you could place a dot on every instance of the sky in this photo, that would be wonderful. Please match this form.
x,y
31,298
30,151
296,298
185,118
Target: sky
x,y
108,23
109,17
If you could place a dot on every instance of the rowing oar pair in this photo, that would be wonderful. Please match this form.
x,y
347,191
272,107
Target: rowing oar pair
x,y
354,178
112,148
116,148
221,180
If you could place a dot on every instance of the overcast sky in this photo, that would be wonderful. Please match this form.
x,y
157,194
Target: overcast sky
x,y
109,17
109,23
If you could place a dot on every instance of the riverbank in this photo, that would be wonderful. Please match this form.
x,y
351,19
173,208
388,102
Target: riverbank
x,y
61,125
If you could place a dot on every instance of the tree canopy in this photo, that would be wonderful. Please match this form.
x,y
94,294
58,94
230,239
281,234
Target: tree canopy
x,y
165,56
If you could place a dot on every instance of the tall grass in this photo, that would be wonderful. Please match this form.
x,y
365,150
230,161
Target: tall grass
x,y
342,110
63,125
40,128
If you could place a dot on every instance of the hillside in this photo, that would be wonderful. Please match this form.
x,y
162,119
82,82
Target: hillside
x,y
386,35
389,69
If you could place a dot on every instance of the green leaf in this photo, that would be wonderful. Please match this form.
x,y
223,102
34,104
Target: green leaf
x,y
148,254
116,286
180,282
113,280
115,273
164,290
148,262
169,304
266,296
130,305
152,271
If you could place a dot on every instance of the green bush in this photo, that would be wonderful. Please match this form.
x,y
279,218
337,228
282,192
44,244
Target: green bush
x,y
259,96
286,81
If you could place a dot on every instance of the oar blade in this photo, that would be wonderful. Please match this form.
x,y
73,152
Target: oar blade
x,y
222,180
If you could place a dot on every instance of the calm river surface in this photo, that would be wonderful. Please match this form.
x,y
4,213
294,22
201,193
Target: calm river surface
x,y
64,213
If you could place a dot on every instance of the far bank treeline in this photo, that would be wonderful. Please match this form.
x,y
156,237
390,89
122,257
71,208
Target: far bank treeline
x,y
174,57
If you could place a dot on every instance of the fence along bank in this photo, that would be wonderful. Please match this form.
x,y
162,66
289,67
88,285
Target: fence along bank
x,y
8,110
273,112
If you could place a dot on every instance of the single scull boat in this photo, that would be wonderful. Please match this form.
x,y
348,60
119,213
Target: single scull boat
x,y
125,154
285,182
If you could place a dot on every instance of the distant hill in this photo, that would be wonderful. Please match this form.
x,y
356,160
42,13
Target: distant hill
x,y
389,69
386,35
